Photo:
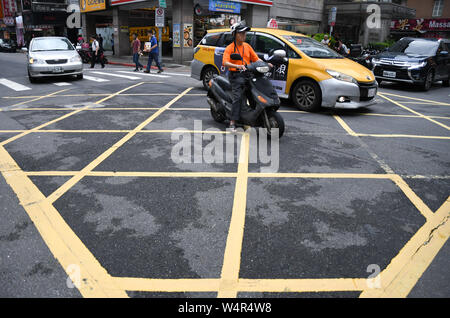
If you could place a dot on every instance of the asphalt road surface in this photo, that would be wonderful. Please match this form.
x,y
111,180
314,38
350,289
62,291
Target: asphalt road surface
x,y
90,189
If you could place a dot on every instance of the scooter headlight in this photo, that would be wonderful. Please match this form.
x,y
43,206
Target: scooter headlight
x,y
262,69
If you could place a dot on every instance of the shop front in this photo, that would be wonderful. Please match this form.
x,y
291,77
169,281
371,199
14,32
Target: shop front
x,y
421,28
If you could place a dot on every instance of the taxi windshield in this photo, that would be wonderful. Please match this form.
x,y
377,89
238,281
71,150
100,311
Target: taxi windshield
x,y
312,48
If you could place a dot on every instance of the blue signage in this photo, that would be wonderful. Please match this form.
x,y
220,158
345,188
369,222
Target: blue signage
x,y
224,6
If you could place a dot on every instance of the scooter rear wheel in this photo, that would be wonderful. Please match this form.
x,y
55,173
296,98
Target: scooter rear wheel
x,y
216,115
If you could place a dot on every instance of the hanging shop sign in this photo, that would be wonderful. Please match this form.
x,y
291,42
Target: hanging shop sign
x,y
92,5
421,25
224,6
257,2
119,2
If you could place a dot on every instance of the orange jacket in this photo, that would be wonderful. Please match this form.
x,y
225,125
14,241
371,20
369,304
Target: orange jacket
x,y
245,50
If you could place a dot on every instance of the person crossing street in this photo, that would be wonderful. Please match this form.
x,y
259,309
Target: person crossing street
x,y
153,53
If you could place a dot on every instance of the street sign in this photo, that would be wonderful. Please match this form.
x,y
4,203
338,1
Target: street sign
x,y
272,24
159,17
332,16
162,4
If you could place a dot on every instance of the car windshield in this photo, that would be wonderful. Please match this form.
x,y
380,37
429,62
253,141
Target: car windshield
x,y
415,47
312,48
51,44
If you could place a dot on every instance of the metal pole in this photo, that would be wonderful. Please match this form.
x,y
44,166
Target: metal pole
x,y
160,45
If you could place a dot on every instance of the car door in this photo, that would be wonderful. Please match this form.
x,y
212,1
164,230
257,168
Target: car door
x,y
263,44
225,40
442,63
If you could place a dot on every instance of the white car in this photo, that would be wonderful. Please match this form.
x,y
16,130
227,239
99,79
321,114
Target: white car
x,y
53,56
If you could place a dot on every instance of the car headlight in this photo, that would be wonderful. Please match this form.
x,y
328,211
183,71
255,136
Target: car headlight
x,y
417,64
342,77
375,61
33,60
76,58
262,69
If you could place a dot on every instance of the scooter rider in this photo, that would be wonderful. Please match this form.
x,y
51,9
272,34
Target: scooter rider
x,y
236,75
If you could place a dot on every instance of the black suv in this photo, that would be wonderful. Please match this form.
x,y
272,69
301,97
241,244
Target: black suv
x,y
415,61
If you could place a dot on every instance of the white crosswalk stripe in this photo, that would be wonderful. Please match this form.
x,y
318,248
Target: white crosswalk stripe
x,y
62,84
13,85
118,75
95,79
145,74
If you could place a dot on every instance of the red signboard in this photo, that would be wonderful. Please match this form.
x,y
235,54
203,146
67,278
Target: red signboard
x,y
9,8
421,25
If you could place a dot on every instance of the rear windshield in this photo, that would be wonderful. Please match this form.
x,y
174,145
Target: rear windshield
x,y
312,48
415,47
51,44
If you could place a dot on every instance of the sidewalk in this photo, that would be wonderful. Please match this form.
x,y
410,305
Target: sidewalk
x,y
167,62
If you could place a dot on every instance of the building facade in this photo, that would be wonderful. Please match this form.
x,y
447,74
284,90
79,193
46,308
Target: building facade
x,y
367,21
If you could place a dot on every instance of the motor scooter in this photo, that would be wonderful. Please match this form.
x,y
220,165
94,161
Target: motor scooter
x,y
260,101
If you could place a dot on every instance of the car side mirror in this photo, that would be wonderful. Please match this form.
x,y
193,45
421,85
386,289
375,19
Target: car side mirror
x,y
236,56
279,53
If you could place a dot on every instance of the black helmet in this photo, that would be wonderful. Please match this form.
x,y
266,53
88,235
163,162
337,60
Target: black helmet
x,y
239,27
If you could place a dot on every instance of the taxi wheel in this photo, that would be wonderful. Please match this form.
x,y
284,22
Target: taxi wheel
x,y
208,74
306,95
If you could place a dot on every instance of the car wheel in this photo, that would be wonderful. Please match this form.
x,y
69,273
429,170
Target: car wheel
x,y
80,76
307,95
428,81
208,74
32,79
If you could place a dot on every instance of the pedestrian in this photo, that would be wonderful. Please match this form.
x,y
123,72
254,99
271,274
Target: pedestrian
x,y
96,52
341,48
112,44
136,45
153,52
325,40
100,41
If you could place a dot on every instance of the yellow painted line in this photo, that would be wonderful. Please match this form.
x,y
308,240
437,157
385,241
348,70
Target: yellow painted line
x,y
404,271
40,97
167,285
59,237
12,131
62,95
89,109
414,98
418,203
321,175
414,112
117,93
243,285
76,178
302,285
344,125
401,136
423,103
232,255
187,108
62,117
136,174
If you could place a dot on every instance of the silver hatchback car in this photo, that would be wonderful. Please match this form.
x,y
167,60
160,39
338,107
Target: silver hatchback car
x,y
53,56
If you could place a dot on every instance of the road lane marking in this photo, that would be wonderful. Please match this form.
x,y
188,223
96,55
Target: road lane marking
x,y
118,75
36,129
62,84
75,179
95,79
406,268
145,74
63,243
37,98
414,112
13,85
232,257
414,98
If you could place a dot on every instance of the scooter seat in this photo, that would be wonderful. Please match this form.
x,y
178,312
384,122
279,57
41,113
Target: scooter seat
x,y
223,83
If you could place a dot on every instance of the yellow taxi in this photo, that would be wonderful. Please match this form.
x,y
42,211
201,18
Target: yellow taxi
x,y
314,75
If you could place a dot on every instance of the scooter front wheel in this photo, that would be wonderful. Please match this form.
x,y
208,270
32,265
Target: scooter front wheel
x,y
274,120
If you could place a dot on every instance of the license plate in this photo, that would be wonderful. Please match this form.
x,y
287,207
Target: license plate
x,y
389,74
58,69
371,92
